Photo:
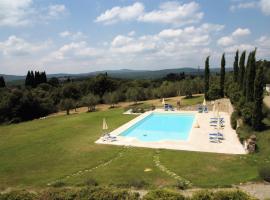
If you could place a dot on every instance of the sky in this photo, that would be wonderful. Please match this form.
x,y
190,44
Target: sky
x,y
78,36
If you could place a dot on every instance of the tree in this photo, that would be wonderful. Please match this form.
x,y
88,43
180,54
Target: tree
x,y
133,94
90,101
67,104
242,69
2,82
222,75
28,79
257,116
54,82
206,77
111,98
235,67
250,76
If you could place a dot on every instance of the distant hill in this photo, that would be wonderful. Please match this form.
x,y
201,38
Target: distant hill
x,y
122,73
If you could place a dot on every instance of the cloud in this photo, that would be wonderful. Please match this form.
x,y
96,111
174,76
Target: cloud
x,y
241,32
117,14
168,13
233,37
263,5
226,41
244,5
74,50
16,13
72,35
15,46
174,13
54,11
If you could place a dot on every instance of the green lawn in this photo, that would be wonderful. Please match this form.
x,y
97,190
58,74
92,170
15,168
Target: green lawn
x,y
41,151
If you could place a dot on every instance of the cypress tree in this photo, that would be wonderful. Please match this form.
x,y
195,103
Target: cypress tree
x,y
251,73
2,82
242,69
235,67
257,116
222,75
206,77
32,79
28,79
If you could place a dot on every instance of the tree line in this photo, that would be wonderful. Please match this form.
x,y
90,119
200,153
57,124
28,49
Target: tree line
x,y
244,87
41,96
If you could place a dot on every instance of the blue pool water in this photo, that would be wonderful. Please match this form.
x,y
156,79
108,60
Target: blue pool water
x,y
161,126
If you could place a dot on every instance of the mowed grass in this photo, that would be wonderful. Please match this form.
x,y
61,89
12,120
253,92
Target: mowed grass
x,y
35,153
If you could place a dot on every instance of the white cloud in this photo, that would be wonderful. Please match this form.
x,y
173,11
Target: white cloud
x,y
225,41
121,13
168,13
72,35
56,11
244,5
233,37
74,50
241,32
174,13
265,6
14,12
23,12
15,46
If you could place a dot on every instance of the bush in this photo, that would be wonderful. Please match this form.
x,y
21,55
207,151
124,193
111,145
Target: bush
x,y
231,195
91,182
163,195
234,117
264,173
246,113
182,185
221,195
58,184
17,195
203,195
60,194
137,183
97,193
214,92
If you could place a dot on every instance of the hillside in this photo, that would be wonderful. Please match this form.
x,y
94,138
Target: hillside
x,y
122,73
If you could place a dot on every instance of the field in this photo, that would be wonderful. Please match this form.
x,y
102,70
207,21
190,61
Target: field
x,y
41,152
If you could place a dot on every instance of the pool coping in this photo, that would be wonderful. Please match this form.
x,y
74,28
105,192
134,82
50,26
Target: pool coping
x,y
198,139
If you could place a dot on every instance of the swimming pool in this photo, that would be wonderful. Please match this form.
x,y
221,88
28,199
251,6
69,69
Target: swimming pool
x,y
161,126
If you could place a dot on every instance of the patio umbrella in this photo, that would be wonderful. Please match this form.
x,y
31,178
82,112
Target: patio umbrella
x,y
163,101
104,124
204,102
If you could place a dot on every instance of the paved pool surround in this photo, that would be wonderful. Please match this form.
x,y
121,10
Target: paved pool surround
x,y
198,139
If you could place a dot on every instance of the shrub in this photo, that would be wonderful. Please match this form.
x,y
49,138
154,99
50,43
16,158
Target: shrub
x,y
91,182
97,193
137,183
234,117
231,195
58,184
17,195
203,195
246,113
214,92
182,185
60,194
264,173
163,195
